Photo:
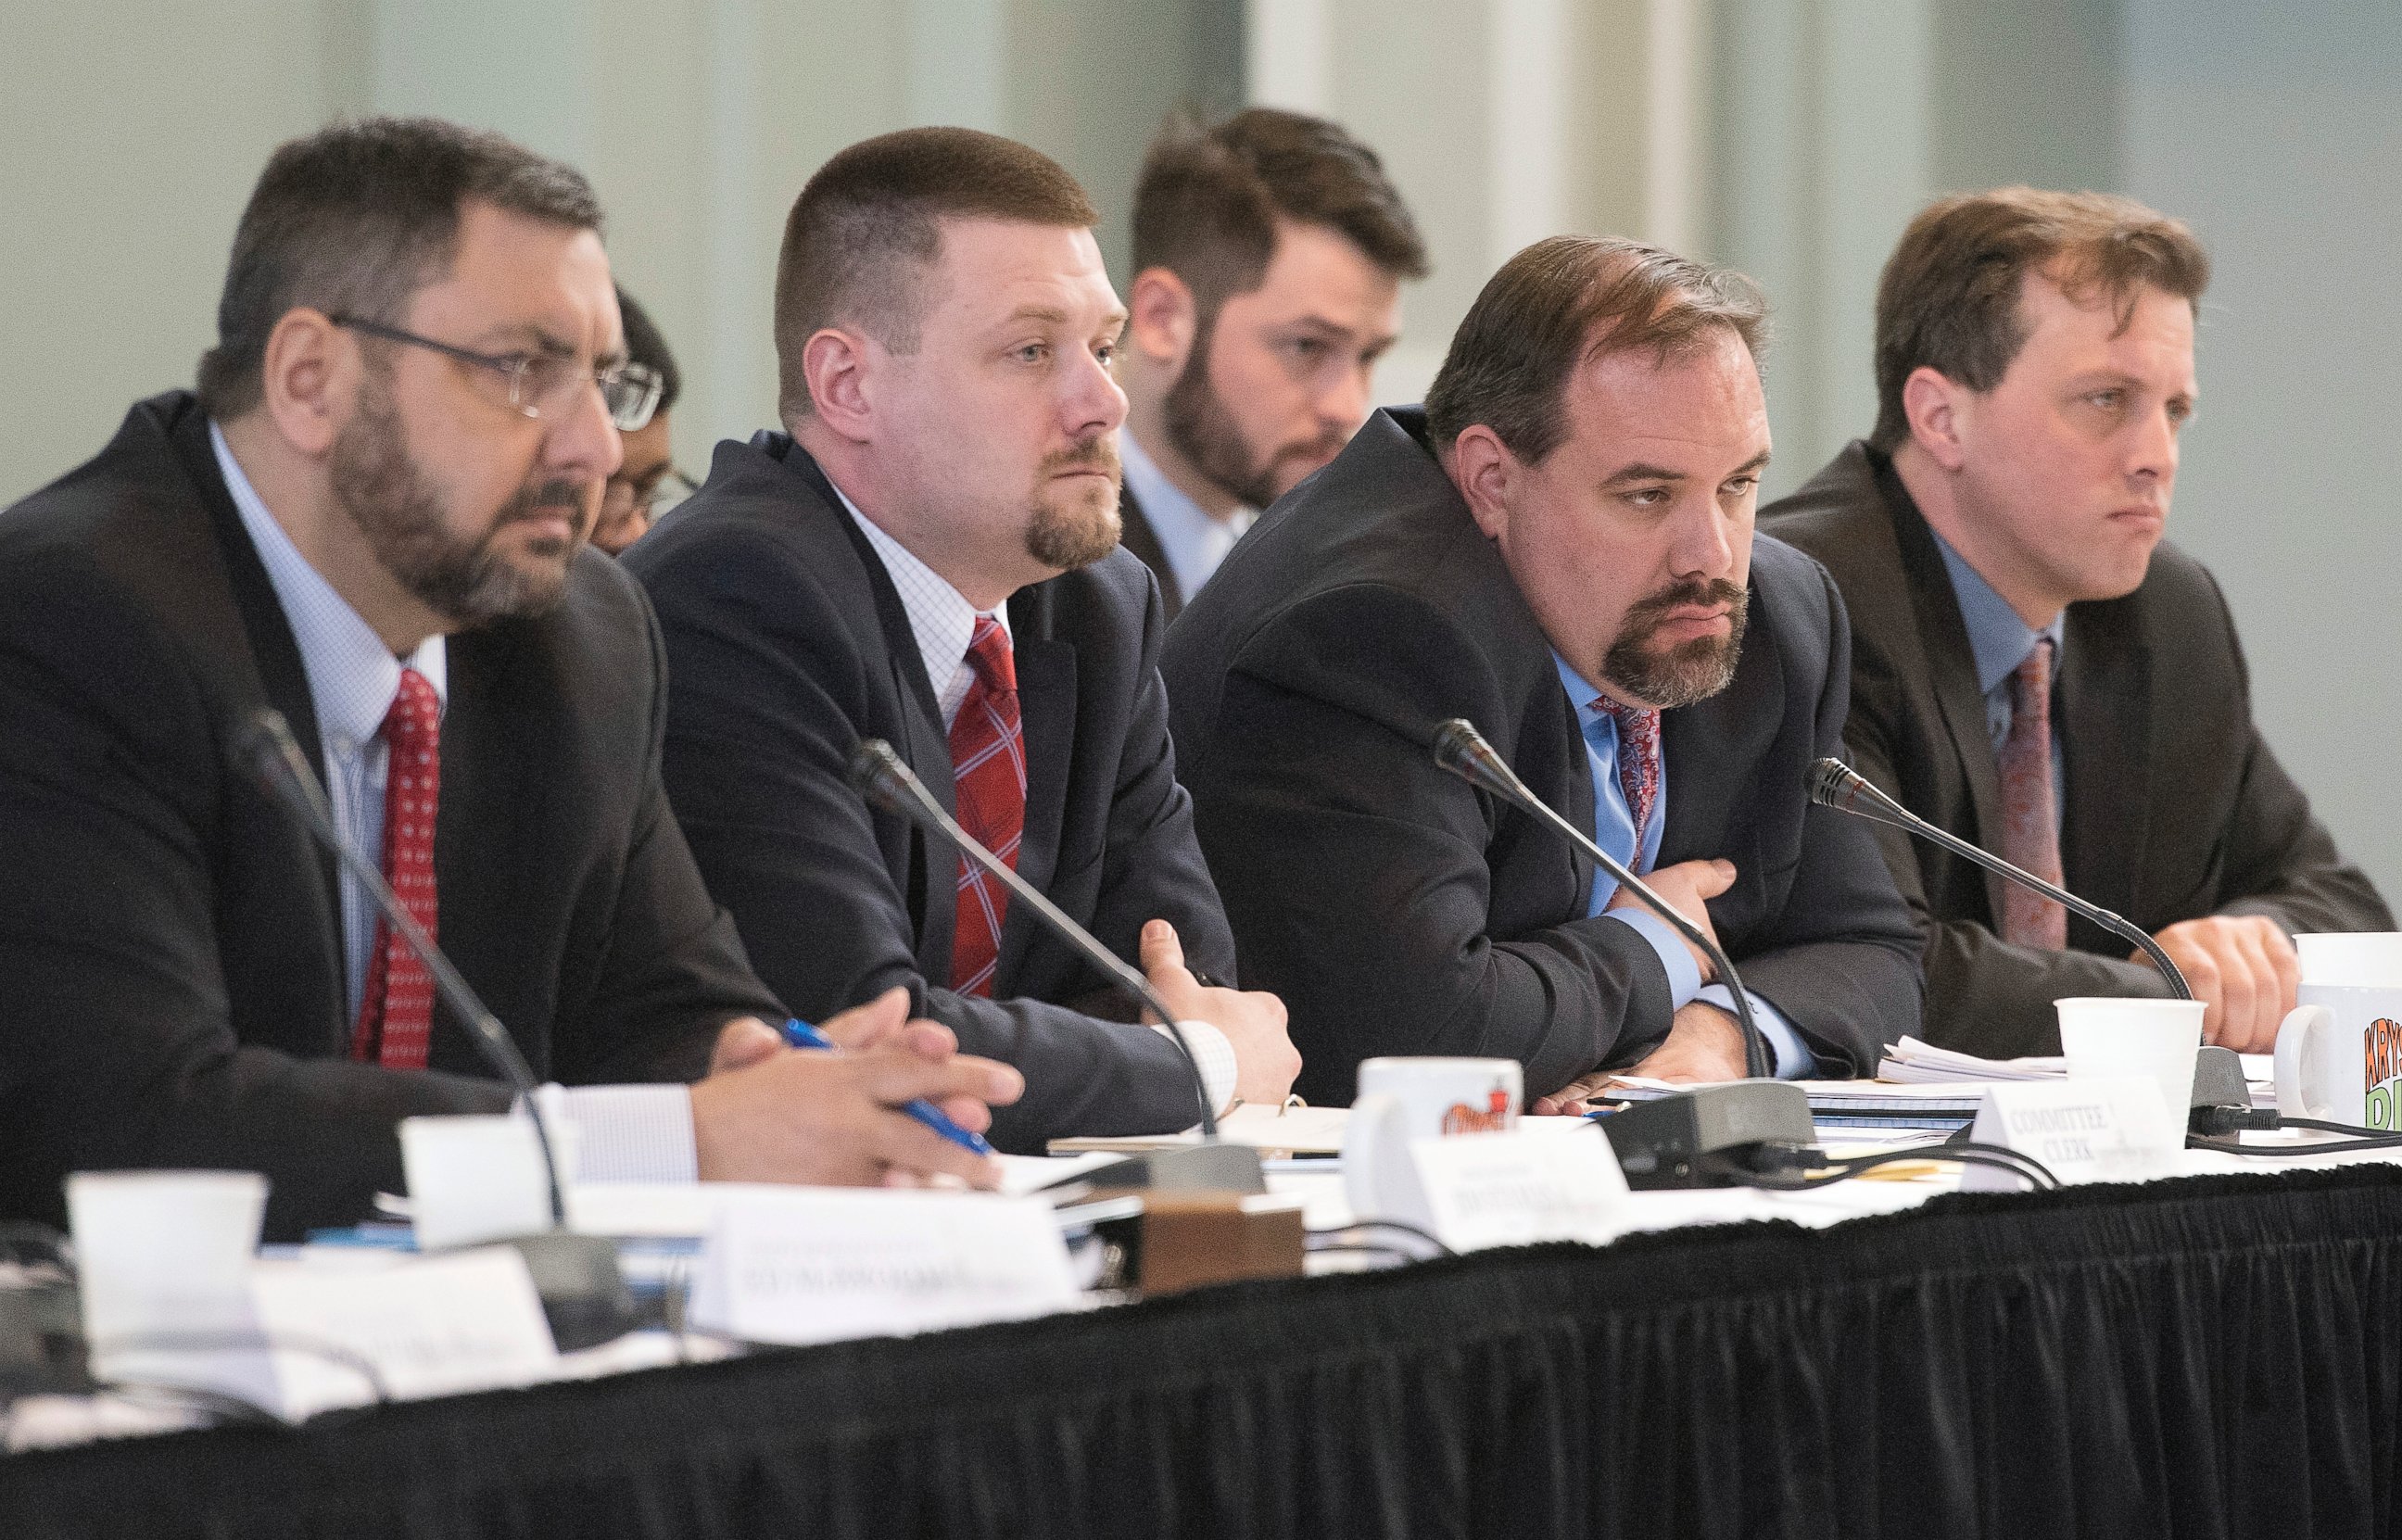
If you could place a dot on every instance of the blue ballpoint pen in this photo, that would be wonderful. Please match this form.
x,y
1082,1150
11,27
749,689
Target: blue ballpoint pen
x,y
800,1034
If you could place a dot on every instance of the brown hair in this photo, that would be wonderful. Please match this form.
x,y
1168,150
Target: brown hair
x,y
1566,300
1949,299
1207,201
868,225
356,218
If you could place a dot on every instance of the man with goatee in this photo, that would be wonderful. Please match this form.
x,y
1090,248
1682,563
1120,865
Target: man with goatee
x,y
1557,547
929,555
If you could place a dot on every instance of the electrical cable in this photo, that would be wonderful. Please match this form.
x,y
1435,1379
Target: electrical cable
x,y
1793,1162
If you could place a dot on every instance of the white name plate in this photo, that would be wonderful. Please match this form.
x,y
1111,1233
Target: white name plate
x,y
439,1325
799,1265
1507,1189
2084,1131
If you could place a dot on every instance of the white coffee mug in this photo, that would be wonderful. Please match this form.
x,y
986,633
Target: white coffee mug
x,y
1402,1099
2339,1050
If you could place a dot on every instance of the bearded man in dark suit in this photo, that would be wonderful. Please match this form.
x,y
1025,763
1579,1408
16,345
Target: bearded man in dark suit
x,y
1559,549
371,519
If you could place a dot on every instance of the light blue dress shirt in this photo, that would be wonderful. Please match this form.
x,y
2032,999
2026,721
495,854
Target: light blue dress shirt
x,y
1999,641
1614,832
628,1133
1193,542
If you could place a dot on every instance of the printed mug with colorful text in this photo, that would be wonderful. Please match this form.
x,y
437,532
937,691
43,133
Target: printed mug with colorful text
x,y
2339,1050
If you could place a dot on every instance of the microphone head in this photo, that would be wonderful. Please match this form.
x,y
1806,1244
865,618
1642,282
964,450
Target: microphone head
x,y
264,739
880,776
1460,749
1833,784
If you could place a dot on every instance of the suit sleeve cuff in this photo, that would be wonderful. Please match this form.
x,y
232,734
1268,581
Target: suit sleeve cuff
x,y
1216,1057
1684,973
1793,1056
626,1132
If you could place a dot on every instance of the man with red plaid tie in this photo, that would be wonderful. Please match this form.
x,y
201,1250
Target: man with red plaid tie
x,y
371,517
930,555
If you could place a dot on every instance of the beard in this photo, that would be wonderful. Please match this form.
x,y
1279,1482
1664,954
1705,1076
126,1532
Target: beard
x,y
1689,672
1204,433
467,582
1076,529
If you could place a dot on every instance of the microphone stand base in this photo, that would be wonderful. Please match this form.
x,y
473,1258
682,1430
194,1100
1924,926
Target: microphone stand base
x,y
1198,1168
1666,1143
584,1292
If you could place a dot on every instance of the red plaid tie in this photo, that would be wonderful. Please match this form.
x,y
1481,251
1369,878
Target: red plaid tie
x,y
989,770
2030,820
1638,765
397,1006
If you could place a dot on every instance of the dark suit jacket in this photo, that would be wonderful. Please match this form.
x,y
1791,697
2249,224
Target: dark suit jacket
x,y
2174,808
789,644
1400,911
170,939
1143,540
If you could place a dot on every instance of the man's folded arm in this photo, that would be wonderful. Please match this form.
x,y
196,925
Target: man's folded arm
x,y
1354,868
1840,959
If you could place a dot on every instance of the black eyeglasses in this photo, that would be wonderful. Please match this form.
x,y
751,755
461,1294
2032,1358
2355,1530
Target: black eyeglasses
x,y
540,385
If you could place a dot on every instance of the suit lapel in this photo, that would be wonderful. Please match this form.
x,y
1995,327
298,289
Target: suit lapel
x,y
2104,704
283,680
1143,540
1047,705
1950,664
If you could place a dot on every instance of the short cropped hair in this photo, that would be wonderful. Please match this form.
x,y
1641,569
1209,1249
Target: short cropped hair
x,y
1562,301
646,346
867,227
1949,297
1208,201
357,217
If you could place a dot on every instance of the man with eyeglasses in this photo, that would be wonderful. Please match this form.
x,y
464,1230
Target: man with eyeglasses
x,y
370,517
648,472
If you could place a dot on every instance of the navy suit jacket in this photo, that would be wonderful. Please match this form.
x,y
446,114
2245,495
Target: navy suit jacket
x,y
1401,911
788,644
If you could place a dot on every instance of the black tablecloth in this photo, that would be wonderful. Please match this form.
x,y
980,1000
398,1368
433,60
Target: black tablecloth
x,y
2199,1358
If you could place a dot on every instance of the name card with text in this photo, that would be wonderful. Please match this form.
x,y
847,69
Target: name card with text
x,y
436,1325
800,1265
1506,1190
2084,1131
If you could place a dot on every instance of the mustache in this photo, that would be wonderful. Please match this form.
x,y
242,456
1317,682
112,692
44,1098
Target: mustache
x,y
534,502
1097,453
1695,593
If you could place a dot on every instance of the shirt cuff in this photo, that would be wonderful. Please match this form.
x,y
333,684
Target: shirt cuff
x,y
1216,1057
1791,1057
1684,973
625,1132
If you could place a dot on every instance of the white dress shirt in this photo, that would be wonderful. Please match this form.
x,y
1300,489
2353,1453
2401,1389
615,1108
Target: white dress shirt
x,y
942,622
634,1132
1193,541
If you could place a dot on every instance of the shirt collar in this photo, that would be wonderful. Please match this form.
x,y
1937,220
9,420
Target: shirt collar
x,y
941,619
1193,542
1998,638
352,676
1584,696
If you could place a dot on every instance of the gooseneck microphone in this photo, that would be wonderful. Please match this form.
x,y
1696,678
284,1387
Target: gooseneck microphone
x,y
884,780
1461,749
1834,784
577,1276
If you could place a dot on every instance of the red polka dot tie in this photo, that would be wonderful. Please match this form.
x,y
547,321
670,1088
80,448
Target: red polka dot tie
x,y
1638,765
397,1006
988,773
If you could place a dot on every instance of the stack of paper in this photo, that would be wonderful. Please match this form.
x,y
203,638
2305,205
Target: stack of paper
x,y
1911,1062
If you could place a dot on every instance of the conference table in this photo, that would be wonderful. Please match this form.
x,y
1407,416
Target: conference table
x,y
2206,1356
